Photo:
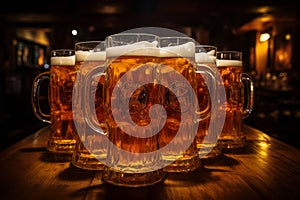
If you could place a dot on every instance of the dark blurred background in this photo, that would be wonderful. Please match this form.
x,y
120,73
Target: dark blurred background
x,y
31,29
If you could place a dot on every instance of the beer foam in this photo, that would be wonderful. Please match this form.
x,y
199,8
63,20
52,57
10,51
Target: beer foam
x,y
204,58
225,63
211,52
63,60
90,55
142,48
184,50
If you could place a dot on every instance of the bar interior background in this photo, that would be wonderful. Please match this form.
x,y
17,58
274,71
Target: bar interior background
x,y
267,32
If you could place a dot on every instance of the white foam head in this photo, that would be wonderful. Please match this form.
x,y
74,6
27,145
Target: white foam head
x,y
205,58
90,55
232,63
183,50
211,52
63,60
143,48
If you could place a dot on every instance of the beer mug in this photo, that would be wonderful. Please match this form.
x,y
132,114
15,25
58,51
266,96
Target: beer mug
x,y
176,80
207,137
61,76
130,92
90,147
239,98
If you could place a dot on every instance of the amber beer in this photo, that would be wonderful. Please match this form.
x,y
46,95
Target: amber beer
x,y
230,65
139,101
206,138
91,147
176,63
62,76
129,92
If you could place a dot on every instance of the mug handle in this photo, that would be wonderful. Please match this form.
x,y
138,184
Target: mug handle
x,y
35,100
88,97
248,95
208,74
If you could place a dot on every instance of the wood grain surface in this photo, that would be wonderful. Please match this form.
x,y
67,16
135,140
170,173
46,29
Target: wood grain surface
x,y
265,169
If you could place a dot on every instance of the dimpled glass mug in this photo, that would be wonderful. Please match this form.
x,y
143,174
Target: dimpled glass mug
x,y
61,75
176,77
130,92
207,137
90,146
239,100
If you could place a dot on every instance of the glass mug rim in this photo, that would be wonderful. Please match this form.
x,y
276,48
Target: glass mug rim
x,y
128,33
181,40
229,52
201,48
178,37
122,44
107,38
205,45
98,45
229,55
88,41
65,52
62,50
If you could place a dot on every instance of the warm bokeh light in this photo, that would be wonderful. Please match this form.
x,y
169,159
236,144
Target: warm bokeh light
x,y
288,36
74,32
264,37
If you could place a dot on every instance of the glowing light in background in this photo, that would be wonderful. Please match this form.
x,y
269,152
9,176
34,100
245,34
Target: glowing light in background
x,y
74,32
264,37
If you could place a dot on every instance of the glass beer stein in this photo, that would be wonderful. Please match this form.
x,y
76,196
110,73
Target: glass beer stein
x,y
239,98
130,91
177,80
90,147
207,136
61,75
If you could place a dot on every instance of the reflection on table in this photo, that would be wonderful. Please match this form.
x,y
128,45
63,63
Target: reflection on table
x,y
265,169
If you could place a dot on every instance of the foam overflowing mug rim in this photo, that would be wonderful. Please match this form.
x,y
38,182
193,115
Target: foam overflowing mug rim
x,y
203,57
183,50
141,48
90,55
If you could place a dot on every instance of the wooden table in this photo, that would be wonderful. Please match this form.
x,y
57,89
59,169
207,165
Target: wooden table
x,y
265,169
